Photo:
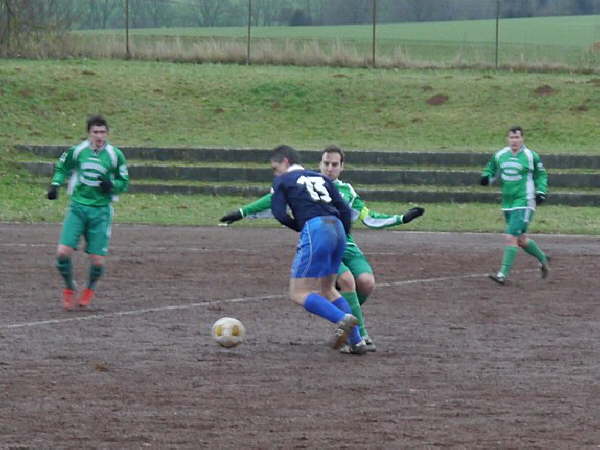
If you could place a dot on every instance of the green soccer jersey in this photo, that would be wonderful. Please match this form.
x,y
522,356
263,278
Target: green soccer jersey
x,y
521,176
261,208
87,168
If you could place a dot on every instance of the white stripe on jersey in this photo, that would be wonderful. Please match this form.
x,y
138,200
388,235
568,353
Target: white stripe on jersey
x,y
79,148
530,185
113,155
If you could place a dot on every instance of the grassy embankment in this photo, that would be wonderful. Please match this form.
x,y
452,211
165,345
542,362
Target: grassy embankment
x,y
176,105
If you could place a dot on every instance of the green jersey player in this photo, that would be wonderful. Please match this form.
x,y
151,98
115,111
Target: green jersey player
x,y
524,184
355,278
97,173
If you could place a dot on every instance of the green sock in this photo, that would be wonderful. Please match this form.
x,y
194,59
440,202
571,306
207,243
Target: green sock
x,y
95,274
352,300
510,252
361,298
66,270
533,249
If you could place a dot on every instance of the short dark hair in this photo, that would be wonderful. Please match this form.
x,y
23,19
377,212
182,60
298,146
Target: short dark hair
x,y
334,149
516,129
96,121
285,152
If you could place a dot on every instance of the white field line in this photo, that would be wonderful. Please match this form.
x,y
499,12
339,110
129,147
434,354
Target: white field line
x,y
138,312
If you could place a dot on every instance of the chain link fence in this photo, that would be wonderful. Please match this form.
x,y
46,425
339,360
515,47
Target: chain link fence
x,y
543,34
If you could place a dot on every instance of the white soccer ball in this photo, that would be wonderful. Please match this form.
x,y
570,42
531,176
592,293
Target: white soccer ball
x,y
228,332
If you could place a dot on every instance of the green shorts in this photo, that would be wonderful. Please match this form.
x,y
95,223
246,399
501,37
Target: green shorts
x,y
517,221
93,222
354,261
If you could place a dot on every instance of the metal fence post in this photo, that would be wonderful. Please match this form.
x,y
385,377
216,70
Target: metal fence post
x,y
249,27
497,29
374,32
127,53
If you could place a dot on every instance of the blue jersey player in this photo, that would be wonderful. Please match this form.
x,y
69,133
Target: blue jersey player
x,y
323,219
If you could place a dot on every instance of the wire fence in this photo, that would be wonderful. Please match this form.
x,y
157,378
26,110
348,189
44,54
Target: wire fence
x,y
376,33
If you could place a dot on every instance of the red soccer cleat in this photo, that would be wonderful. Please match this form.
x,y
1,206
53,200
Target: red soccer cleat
x,y
68,299
86,298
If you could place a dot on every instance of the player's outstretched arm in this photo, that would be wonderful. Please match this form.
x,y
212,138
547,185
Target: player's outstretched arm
x,y
373,219
260,208
377,220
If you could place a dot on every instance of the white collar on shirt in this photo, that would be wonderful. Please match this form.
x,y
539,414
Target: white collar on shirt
x,y
294,167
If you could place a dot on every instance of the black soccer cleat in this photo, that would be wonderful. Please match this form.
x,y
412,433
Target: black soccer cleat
x,y
354,349
498,278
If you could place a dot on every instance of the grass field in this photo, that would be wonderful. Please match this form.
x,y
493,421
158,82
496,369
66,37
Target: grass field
x,y
177,105
524,41
167,104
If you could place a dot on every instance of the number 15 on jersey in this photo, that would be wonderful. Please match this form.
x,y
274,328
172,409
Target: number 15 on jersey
x,y
316,188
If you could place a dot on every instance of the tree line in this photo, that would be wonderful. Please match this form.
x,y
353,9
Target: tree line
x,y
31,16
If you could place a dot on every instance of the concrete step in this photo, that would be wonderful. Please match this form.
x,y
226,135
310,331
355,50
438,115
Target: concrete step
x,y
400,177
401,196
400,157
394,194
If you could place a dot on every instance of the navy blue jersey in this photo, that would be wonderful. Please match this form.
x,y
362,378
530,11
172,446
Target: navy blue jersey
x,y
309,194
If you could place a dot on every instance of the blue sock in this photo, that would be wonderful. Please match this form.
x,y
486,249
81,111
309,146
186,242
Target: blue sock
x,y
320,306
343,304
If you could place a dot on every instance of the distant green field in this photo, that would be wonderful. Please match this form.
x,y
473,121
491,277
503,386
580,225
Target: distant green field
x,y
542,40
576,31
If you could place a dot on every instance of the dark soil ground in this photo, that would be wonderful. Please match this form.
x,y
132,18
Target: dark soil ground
x,y
461,362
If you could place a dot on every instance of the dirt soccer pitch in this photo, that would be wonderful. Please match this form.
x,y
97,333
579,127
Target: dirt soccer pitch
x,y
461,362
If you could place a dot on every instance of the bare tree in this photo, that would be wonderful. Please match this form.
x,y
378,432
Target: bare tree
x,y
97,13
210,11
157,12
33,20
106,8
7,21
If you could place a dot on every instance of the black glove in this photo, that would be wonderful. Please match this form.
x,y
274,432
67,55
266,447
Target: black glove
x,y
485,180
540,198
412,213
231,217
106,186
52,192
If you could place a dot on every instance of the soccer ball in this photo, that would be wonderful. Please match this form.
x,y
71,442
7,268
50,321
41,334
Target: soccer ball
x,y
228,332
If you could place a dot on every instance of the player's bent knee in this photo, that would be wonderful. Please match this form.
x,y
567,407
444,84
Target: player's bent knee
x,y
330,294
64,252
299,297
365,284
97,260
345,282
